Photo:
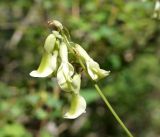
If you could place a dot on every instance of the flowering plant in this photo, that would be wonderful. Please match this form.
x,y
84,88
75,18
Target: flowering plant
x,y
55,62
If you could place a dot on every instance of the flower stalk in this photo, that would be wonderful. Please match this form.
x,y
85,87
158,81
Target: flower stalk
x,y
112,110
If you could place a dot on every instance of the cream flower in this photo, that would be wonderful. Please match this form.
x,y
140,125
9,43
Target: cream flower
x,y
48,63
77,107
47,66
94,70
93,67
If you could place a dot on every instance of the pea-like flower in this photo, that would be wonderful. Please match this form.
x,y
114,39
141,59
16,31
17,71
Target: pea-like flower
x,y
48,63
93,67
47,66
94,70
77,107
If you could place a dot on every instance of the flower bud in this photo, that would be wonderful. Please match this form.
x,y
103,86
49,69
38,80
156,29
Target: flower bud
x,y
58,24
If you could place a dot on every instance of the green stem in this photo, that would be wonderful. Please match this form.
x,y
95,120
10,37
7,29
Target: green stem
x,y
112,111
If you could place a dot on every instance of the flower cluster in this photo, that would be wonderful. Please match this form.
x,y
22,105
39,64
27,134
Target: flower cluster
x,y
55,62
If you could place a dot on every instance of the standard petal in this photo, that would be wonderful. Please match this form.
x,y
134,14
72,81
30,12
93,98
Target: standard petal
x,y
77,107
45,68
50,43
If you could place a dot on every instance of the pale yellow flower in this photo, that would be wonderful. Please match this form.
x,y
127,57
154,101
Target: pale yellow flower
x,y
94,70
77,107
93,67
47,66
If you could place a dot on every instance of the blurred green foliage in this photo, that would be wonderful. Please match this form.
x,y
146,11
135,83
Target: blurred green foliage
x,y
120,35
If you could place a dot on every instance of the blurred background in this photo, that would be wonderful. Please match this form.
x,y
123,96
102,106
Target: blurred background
x,y
119,34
